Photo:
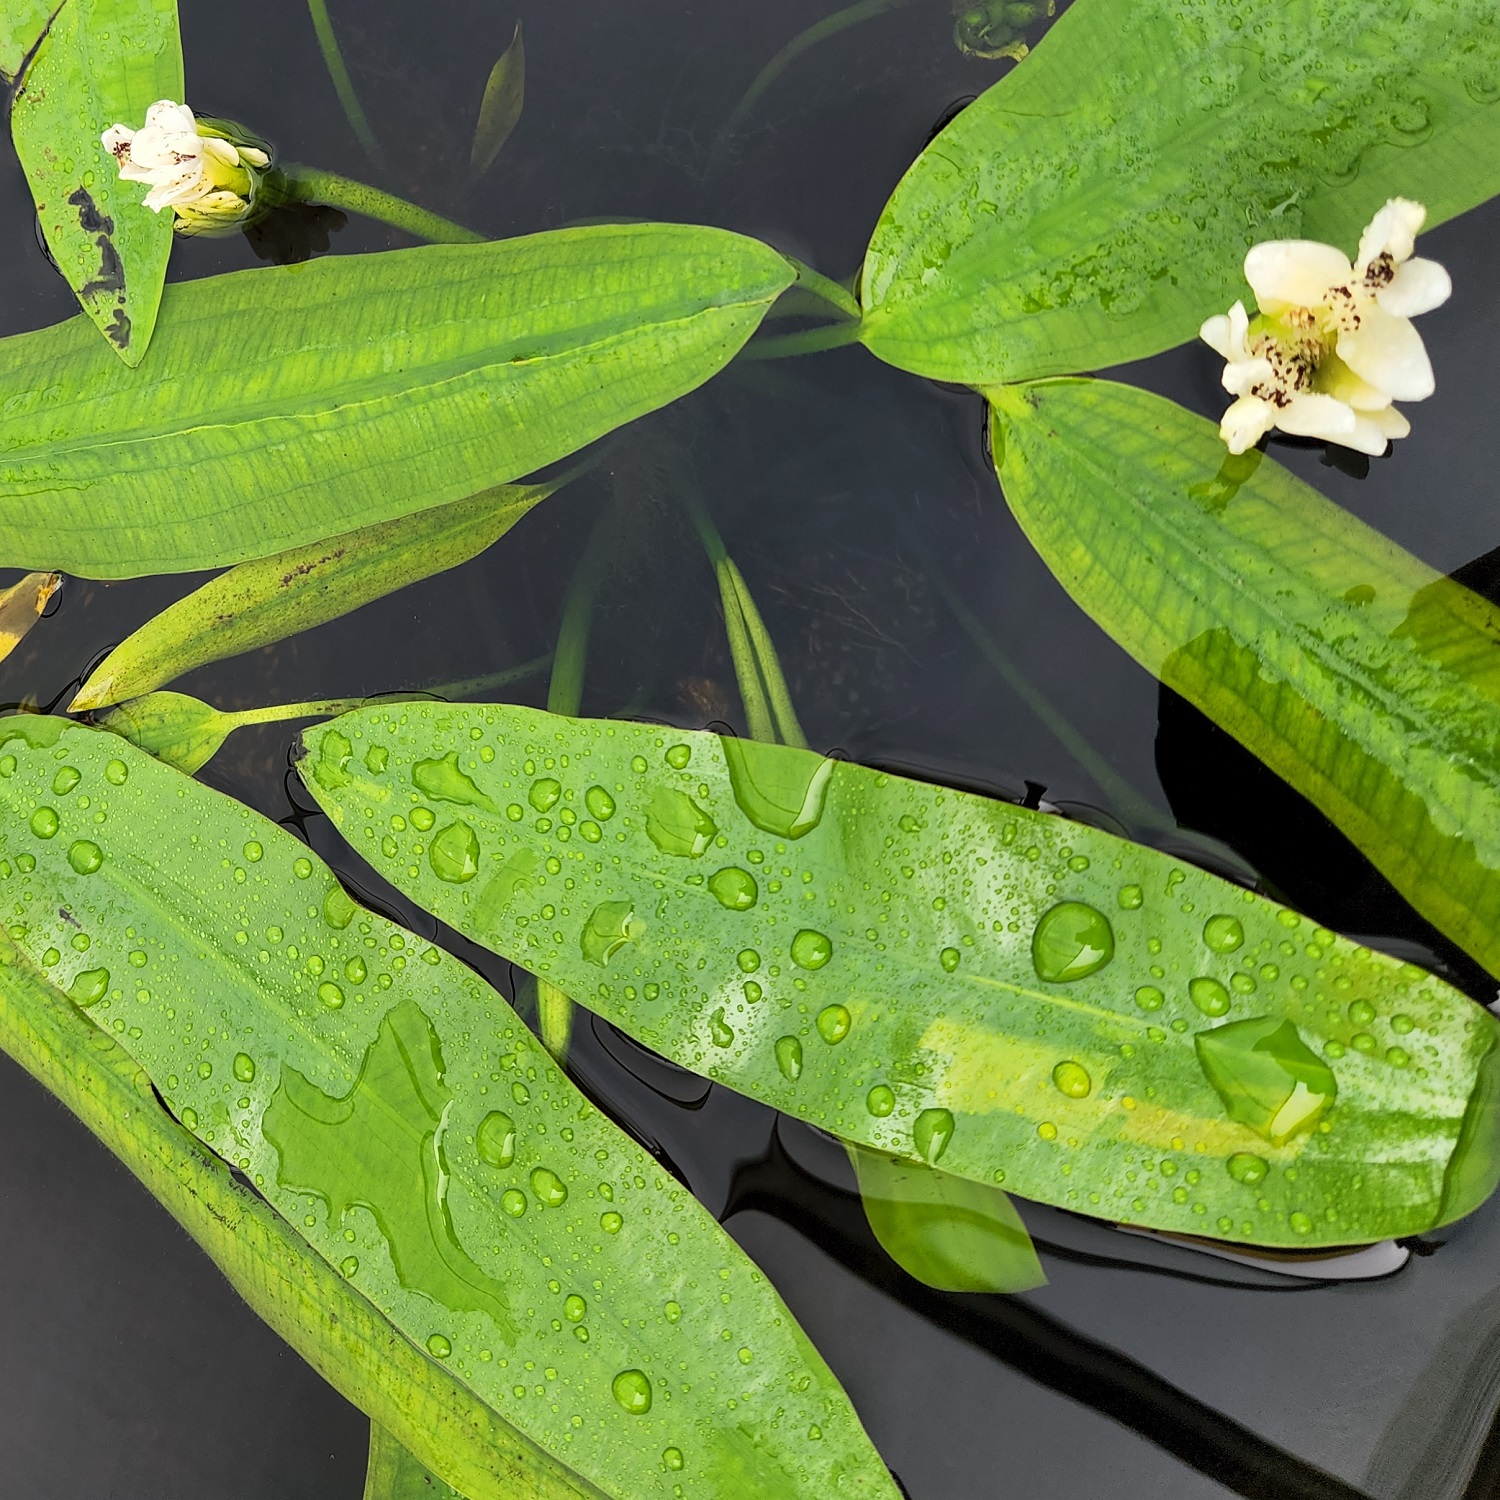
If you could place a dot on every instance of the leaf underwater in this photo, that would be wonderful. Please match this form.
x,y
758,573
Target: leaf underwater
x,y
21,606
101,62
380,385
857,950
275,598
22,23
393,1474
1059,225
390,1105
1363,677
500,109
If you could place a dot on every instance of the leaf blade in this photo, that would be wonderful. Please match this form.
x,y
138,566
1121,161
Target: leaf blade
x,y
1355,671
1049,229
500,108
388,383
394,1035
102,62
895,995
258,603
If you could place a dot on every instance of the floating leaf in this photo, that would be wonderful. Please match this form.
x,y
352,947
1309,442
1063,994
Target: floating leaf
x,y
22,23
1020,998
391,1106
21,606
1352,669
393,1474
310,1304
258,603
102,62
382,385
949,1232
500,109
1095,205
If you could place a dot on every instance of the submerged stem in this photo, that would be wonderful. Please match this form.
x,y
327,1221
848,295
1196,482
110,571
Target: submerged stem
x,y
810,341
303,184
825,289
343,85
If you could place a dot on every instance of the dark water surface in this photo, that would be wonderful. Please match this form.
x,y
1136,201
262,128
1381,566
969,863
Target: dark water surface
x,y
857,502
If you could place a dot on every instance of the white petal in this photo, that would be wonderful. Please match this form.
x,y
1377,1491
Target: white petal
x,y
1389,353
1240,375
1392,422
1294,273
1393,230
116,137
1368,437
1226,333
253,156
1418,287
1336,379
167,116
1246,423
1215,333
1318,416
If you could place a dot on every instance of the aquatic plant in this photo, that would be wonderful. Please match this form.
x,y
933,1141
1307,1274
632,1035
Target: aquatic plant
x,y
976,998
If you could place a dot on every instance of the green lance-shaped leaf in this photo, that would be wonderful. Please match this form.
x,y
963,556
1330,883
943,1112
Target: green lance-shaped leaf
x,y
949,1232
1031,1002
395,1474
1095,205
310,1304
395,1111
261,602
500,109
1351,668
382,385
102,62
22,24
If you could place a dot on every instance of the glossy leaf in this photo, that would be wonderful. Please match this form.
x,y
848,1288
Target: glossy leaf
x,y
21,606
302,1297
949,1232
102,62
1351,668
1028,1001
273,598
22,23
382,385
394,1474
500,109
1095,205
391,1106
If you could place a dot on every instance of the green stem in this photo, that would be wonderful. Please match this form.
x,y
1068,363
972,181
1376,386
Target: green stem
x,y
302,184
811,341
840,20
826,289
343,86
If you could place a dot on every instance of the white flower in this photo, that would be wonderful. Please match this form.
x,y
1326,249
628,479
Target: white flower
x,y
206,171
1334,345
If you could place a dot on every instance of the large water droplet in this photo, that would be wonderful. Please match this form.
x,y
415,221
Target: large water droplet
x,y
1070,942
442,781
438,1346
677,825
574,1308
734,889
495,1140
780,789
811,950
672,1458
89,987
66,779
880,1101
338,908
789,1057
244,1067
548,1187
44,822
1267,1076
599,803
633,1391
720,1029
834,1022
1209,996
1246,1167
454,853
544,793
678,756
1072,1079
116,773
606,931
932,1132
85,856
1223,934
513,1201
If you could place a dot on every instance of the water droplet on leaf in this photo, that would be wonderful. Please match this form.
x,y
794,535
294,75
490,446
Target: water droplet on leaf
x,y
1070,942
